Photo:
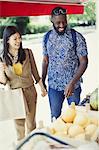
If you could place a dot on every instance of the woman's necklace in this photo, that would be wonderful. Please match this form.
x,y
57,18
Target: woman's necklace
x,y
13,57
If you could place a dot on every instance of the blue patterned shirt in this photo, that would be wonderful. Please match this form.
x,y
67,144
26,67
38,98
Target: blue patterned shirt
x,y
63,60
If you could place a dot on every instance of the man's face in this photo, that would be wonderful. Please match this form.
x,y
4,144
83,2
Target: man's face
x,y
59,23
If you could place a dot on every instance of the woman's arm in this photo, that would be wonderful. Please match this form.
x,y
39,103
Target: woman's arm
x,y
3,78
34,67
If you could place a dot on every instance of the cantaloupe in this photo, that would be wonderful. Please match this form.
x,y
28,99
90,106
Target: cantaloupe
x,y
70,113
81,119
75,130
90,129
59,125
80,136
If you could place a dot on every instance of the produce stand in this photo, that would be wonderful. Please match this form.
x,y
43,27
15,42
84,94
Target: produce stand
x,y
42,137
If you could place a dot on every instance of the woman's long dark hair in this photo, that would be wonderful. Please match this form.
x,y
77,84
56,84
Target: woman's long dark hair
x,y
8,31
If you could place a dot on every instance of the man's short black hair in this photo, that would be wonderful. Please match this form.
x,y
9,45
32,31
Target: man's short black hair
x,y
58,11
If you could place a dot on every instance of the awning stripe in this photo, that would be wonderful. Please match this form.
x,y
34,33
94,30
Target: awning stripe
x,y
8,9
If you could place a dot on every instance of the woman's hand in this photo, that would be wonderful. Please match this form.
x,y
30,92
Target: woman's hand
x,y
43,90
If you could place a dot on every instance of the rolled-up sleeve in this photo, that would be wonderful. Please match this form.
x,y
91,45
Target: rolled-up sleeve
x,y
81,46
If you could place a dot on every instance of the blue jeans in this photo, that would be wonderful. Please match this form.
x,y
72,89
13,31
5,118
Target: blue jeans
x,y
56,99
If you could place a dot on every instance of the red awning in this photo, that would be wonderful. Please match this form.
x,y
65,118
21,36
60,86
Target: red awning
x,y
35,8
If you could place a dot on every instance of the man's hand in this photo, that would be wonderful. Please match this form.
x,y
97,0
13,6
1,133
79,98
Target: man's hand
x,y
69,90
81,69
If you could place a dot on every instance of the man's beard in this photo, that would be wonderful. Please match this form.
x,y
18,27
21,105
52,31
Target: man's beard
x,y
60,33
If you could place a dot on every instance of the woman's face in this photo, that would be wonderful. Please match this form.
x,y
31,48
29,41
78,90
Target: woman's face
x,y
14,41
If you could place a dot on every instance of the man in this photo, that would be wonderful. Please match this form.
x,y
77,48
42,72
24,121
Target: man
x,y
63,63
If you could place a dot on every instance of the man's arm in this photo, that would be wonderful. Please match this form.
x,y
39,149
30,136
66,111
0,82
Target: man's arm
x,y
44,69
81,69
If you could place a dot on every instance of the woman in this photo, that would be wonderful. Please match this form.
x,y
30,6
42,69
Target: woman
x,y
21,70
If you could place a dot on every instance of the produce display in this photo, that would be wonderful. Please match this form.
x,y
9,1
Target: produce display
x,y
76,124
